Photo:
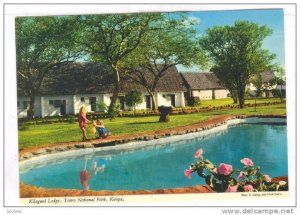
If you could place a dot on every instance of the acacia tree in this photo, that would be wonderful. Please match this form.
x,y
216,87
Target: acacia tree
x,y
172,42
237,53
41,44
110,38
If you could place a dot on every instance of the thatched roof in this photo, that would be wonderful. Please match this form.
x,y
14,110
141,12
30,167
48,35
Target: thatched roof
x,y
201,80
93,78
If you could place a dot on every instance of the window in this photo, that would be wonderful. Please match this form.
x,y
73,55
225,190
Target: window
x,y
50,102
93,103
25,104
56,103
82,99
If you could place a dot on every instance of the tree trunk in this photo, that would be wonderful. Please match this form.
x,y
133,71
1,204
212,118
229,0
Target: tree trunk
x,y
154,105
241,96
233,96
30,111
116,88
235,99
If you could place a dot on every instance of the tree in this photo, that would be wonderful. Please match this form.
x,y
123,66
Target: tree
x,y
133,98
173,42
41,45
226,81
236,51
110,38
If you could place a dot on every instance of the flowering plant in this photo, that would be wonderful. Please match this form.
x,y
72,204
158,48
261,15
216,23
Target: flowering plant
x,y
223,178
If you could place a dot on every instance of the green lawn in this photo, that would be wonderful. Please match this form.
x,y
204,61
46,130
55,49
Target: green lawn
x,y
36,135
229,101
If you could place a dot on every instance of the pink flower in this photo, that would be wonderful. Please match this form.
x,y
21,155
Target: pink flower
x,y
247,162
241,175
188,173
267,178
248,188
232,188
225,169
198,153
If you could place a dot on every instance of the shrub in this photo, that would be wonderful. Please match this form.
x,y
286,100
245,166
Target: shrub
x,y
114,112
279,93
224,178
194,101
109,113
133,98
71,119
22,127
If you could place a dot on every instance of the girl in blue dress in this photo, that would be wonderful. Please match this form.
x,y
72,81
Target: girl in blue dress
x,y
102,131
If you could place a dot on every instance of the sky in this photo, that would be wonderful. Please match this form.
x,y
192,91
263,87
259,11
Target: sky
x,y
273,18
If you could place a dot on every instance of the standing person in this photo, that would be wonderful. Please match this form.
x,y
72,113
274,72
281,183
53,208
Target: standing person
x,y
82,120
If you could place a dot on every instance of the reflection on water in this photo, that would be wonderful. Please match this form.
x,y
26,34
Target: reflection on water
x,y
86,173
161,165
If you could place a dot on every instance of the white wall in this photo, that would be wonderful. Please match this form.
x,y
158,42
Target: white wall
x,y
78,103
50,110
164,99
208,94
73,103
221,94
202,94
22,112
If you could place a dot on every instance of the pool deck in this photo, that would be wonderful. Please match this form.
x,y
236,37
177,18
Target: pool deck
x,y
27,191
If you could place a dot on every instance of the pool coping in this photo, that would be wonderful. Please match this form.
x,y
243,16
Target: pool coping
x,y
31,154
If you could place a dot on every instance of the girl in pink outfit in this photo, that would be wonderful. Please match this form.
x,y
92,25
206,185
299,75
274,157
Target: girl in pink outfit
x,y
82,120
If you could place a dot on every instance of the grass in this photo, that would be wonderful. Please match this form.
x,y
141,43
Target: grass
x,y
229,101
35,135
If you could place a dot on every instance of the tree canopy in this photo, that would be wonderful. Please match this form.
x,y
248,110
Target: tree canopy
x,y
237,54
41,45
171,42
110,38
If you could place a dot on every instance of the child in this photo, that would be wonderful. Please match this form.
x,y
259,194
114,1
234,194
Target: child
x,y
102,131
82,120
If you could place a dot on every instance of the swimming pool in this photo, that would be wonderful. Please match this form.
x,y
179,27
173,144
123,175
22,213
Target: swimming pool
x,y
162,165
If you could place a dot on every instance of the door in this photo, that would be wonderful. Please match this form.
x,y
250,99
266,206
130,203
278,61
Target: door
x,y
93,103
148,101
63,107
173,100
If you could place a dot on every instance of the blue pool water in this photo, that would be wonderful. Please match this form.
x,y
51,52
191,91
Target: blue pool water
x,y
162,166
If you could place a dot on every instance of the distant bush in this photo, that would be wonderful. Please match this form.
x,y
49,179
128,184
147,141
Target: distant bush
x,y
72,119
23,127
194,101
107,113
279,93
